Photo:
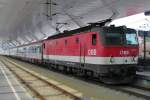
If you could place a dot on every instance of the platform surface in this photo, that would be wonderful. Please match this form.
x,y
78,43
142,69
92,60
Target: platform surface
x,y
10,88
144,73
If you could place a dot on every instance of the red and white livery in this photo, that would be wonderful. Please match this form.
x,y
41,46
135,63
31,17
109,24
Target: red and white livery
x,y
108,53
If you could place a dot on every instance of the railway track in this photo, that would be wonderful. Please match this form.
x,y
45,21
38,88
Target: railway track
x,y
143,77
139,92
41,88
136,91
131,89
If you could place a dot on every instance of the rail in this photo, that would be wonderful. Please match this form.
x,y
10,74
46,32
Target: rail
x,y
68,92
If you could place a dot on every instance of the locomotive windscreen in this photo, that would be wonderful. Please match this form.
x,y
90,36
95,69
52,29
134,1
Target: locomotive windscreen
x,y
119,36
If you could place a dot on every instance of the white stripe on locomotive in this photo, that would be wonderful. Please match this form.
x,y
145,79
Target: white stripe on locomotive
x,y
94,60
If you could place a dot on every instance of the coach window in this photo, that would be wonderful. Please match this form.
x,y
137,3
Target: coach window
x,y
34,50
66,42
40,49
94,39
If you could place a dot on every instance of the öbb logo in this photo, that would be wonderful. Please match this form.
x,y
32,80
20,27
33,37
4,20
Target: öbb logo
x,y
92,52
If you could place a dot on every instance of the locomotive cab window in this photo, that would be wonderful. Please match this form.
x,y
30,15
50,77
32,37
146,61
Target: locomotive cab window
x,y
114,38
131,39
94,37
119,36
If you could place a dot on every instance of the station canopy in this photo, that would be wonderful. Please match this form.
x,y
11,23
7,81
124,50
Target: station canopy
x,y
24,21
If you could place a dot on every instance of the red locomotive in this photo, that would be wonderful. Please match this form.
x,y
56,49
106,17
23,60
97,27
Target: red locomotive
x,y
108,53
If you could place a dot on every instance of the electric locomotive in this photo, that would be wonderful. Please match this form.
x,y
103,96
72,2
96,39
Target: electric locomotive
x,y
108,53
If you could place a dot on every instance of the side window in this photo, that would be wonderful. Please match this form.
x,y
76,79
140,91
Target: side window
x,y
66,42
40,49
36,49
77,40
94,37
33,50
44,45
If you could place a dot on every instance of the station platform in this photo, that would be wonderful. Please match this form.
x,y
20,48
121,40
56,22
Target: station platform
x,y
10,88
144,75
144,62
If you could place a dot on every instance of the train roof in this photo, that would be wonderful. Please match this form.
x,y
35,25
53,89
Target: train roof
x,y
80,30
88,29
29,44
